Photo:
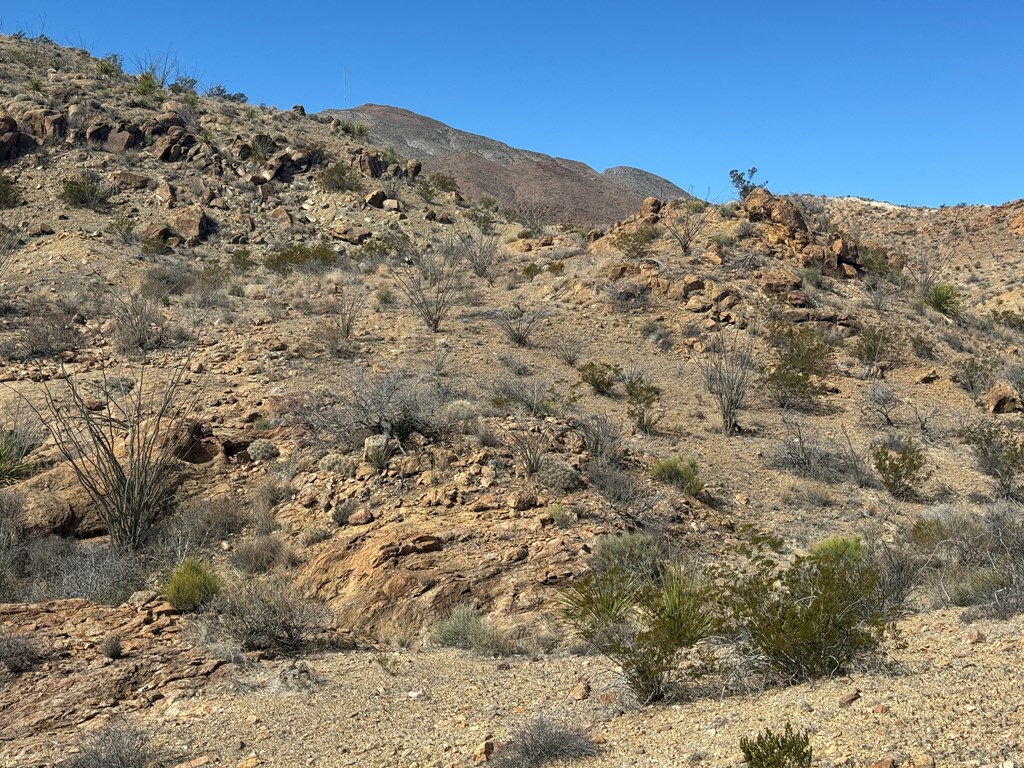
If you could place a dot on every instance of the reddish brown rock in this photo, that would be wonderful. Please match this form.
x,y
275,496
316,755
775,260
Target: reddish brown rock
x,y
1001,398
375,199
129,180
191,224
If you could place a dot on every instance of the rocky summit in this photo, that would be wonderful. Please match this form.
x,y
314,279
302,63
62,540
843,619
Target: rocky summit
x,y
349,439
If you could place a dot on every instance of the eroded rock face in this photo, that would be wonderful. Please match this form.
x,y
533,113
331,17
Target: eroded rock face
x,y
73,682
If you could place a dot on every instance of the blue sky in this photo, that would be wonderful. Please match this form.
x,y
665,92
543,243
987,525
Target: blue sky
x,y
911,102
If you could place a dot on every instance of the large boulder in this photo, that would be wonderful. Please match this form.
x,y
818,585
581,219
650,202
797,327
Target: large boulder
x,y
191,224
762,205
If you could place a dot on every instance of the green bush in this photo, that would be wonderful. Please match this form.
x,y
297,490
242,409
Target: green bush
x,y
601,377
8,191
261,554
341,177
814,617
191,586
465,628
86,191
875,345
638,554
14,465
680,471
444,182
643,397
902,469
641,625
801,358
788,749
976,375
635,243
946,299
309,258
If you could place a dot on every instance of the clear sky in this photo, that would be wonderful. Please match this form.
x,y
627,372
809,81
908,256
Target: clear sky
x,y
913,102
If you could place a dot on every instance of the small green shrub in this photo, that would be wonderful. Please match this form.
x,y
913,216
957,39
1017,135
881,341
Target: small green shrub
x,y
976,375
680,471
341,177
444,182
946,299
9,196
635,243
801,358
14,465
355,130
788,749
86,191
902,469
261,554
601,377
723,241
531,270
465,628
875,345
191,585
309,258
643,398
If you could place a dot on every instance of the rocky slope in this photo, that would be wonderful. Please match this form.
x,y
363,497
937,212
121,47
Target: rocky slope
x,y
218,244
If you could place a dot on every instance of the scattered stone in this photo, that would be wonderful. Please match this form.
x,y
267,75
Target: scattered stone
x,y
1001,398
580,691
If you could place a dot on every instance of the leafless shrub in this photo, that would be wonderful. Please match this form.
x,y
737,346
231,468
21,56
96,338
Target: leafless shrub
x,y
119,448
601,436
728,369
345,308
689,223
569,348
139,324
801,451
49,331
544,740
481,253
261,554
10,241
537,396
267,615
117,745
19,653
433,285
529,450
517,323
63,569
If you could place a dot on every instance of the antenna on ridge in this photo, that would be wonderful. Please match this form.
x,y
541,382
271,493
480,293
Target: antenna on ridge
x,y
344,77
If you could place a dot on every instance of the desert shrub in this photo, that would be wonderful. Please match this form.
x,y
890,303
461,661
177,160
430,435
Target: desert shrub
x,y
944,298
642,626
541,741
266,615
563,517
617,485
49,331
86,190
802,451
529,450
117,745
482,254
744,183
976,375
723,241
261,554
139,324
110,646
901,469
813,617
881,400
601,436
119,451
801,357
12,549
444,182
971,559
601,377
355,130
788,749
313,536
688,224
426,190
95,572
346,307
433,285
727,369
639,555
642,398
875,345
191,585
922,346
999,454
197,524
14,462
307,258
537,396
518,324
262,449
9,196
635,243
465,628
19,653
123,228
568,348
531,271
340,177
680,471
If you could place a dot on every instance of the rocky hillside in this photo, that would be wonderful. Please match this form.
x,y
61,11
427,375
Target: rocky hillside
x,y
559,190
372,405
